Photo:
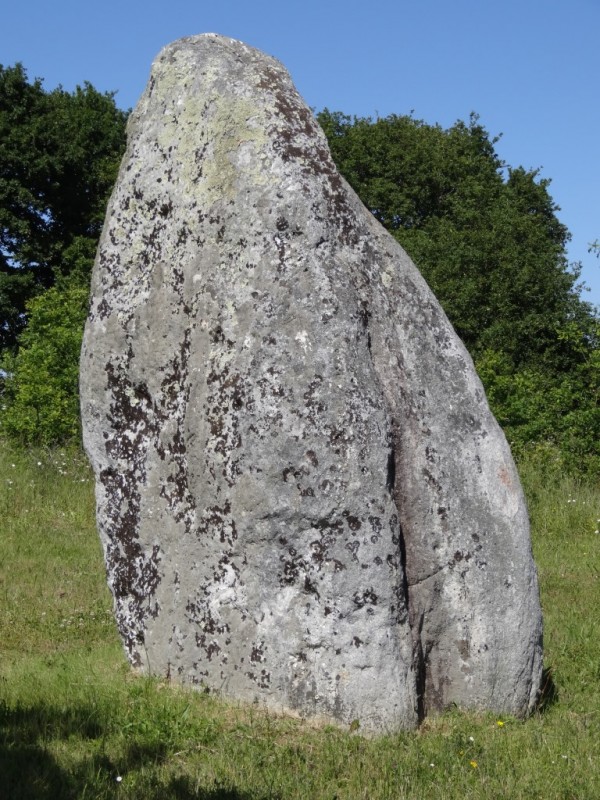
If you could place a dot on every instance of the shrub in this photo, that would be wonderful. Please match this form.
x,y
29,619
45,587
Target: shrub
x,y
41,399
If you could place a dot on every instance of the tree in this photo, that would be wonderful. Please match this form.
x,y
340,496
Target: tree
x,y
485,235
59,154
490,246
487,238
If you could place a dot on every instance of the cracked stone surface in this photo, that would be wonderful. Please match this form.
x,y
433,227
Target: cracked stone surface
x,y
302,495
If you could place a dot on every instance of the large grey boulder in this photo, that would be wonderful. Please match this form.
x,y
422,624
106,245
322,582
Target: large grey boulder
x,y
302,494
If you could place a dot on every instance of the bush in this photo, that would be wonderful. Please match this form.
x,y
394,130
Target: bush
x,y
40,397
547,412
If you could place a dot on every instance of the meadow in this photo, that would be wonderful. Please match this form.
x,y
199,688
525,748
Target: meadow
x,y
75,722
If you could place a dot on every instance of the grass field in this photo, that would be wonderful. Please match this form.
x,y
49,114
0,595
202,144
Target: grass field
x,y
76,723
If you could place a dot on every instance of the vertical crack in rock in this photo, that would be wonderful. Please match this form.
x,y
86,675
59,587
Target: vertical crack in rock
x,y
415,623
391,471
302,496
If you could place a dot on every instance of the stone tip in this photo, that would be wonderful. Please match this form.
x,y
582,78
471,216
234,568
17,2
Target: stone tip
x,y
199,39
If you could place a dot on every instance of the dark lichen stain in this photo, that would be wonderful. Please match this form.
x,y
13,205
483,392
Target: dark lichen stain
x,y
257,653
295,472
103,309
432,480
136,425
315,405
134,574
460,556
292,567
353,522
217,521
208,629
263,680
312,457
366,598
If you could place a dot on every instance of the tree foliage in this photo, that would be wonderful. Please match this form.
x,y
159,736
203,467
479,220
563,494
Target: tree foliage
x,y
490,246
59,154
487,238
485,235
41,398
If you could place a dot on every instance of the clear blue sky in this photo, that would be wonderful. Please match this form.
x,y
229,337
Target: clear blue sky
x,y
529,68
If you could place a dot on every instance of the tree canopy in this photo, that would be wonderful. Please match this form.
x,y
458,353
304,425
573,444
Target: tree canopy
x,y
486,236
59,154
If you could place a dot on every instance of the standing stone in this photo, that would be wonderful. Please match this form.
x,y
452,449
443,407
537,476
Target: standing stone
x,y
302,494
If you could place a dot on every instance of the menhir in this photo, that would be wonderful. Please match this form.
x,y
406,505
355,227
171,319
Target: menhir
x,y
302,494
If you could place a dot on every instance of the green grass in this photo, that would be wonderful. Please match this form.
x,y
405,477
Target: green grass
x,y
74,719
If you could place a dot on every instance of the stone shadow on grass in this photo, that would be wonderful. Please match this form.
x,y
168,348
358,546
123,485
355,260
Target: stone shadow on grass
x,y
183,789
28,771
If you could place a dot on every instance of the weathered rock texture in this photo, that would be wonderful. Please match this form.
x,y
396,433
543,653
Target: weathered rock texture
x,y
302,494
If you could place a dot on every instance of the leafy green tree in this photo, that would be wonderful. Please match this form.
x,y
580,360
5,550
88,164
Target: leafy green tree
x,y
487,238
59,154
41,396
